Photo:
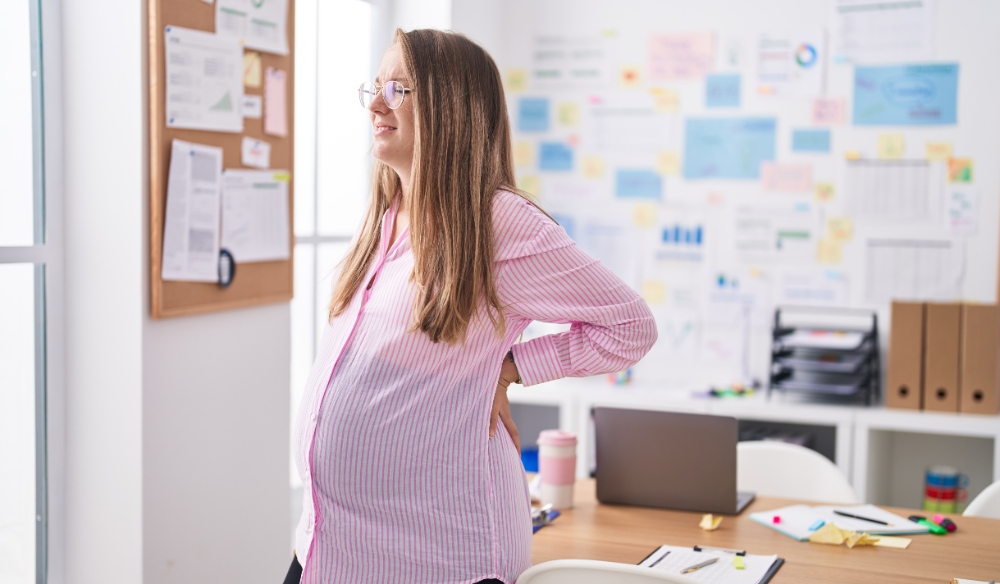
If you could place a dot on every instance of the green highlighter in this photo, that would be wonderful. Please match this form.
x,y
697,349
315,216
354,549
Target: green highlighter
x,y
934,527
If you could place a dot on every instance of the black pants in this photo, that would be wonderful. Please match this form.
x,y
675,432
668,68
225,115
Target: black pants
x,y
295,574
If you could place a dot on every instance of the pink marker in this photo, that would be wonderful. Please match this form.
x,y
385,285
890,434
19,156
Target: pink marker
x,y
777,519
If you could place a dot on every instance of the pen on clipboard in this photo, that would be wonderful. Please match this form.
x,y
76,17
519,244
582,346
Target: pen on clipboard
x,y
659,559
697,567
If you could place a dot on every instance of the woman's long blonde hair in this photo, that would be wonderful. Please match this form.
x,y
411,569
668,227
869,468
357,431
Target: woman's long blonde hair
x,y
461,156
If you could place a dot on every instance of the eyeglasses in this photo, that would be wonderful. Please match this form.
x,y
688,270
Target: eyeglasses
x,y
392,92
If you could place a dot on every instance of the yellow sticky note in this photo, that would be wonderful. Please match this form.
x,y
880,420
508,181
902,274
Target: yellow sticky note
x,y
517,80
829,251
859,539
282,176
825,192
252,69
710,522
899,543
891,146
644,215
630,77
530,184
738,563
524,154
666,100
668,163
852,154
654,292
938,150
568,114
959,170
593,166
839,228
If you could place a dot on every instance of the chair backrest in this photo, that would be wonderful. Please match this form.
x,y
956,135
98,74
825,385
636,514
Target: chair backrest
x,y
595,572
987,504
779,469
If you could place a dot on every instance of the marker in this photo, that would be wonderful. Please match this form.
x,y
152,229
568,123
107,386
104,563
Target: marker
x,y
817,524
934,527
738,562
945,522
776,519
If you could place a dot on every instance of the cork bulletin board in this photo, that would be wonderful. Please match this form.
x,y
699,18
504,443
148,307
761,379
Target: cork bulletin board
x,y
254,283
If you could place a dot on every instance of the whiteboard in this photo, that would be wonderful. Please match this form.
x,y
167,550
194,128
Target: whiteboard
x,y
702,250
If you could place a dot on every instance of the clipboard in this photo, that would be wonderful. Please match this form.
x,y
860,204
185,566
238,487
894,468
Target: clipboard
x,y
759,569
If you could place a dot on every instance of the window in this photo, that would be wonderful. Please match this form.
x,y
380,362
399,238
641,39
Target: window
x,y
26,254
333,47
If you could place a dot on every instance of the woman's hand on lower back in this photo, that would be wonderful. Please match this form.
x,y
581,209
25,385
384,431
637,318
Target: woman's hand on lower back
x,y
501,405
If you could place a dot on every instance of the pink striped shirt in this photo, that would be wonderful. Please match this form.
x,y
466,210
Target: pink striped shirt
x,y
402,483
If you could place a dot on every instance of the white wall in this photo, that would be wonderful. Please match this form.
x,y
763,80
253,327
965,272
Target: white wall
x,y
176,430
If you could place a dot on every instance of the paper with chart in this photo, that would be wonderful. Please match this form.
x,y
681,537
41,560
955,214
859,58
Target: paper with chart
x,y
790,64
191,230
906,95
915,269
876,31
255,215
258,24
894,190
673,559
204,81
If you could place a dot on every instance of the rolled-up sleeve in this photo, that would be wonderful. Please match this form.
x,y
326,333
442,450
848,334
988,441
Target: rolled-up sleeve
x,y
552,280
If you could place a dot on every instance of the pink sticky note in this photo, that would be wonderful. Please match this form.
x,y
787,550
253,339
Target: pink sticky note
x,y
829,111
681,56
275,111
786,177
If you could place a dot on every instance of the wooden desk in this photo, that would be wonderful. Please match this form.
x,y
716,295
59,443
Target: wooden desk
x,y
617,533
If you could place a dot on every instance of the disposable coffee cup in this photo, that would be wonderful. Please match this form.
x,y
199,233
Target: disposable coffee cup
x,y
557,467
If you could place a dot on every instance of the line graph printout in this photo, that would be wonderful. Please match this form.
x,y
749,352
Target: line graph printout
x,y
204,81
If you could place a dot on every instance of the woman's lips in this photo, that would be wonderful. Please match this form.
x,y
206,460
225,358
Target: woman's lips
x,y
383,129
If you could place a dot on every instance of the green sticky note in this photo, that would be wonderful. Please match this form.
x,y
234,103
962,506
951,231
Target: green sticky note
x,y
738,562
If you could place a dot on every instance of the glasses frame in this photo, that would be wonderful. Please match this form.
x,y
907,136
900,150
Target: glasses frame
x,y
380,91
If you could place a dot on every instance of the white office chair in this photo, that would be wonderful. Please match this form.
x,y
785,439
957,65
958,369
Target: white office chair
x,y
987,504
595,572
779,469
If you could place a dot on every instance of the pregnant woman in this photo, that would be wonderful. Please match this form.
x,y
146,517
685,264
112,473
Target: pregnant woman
x,y
409,478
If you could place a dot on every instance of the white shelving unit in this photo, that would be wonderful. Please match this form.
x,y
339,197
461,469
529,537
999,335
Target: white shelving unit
x,y
882,452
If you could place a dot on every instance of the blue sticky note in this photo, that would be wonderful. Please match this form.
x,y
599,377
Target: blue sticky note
x,y
906,95
722,91
555,156
567,223
638,184
811,140
533,114
727,147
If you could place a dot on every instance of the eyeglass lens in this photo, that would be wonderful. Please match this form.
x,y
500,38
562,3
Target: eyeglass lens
x,y
392,92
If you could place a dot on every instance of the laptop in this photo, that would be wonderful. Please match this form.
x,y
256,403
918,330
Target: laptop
x,y
667,459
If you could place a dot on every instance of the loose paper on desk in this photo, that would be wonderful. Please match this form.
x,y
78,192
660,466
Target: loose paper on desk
x,y
275,112
191,230
255,153
255,215
673,559
875,31
204,81
258,24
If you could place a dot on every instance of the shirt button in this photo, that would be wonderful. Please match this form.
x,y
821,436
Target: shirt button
x,y
313,417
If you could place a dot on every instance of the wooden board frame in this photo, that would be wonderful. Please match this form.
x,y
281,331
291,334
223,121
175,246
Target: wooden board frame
x,y
253,283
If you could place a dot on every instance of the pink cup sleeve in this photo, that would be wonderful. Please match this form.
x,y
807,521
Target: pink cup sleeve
x,y
557,470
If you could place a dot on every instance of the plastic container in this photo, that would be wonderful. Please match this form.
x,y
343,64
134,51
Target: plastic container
x,y
557,467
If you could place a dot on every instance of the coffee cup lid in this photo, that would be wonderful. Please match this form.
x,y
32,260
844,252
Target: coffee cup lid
x,y
557,438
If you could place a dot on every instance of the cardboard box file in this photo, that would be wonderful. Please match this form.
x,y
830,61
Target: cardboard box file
x,y
942,338
906,356
980,374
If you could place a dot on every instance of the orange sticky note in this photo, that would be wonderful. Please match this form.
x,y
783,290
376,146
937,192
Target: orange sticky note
x,y
524,154
825,192
630,77
852,154
666,100
829,251
938,150
644,215
959,170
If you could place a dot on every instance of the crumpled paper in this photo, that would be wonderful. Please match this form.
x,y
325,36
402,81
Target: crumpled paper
x,y
833,535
